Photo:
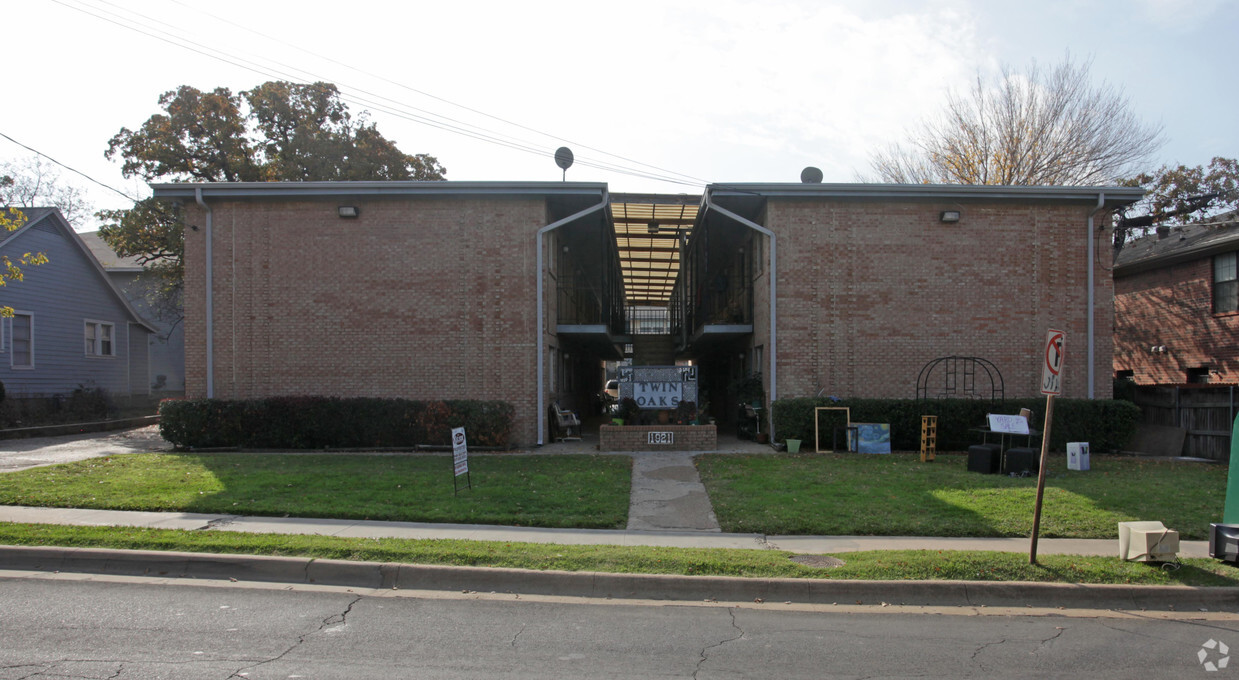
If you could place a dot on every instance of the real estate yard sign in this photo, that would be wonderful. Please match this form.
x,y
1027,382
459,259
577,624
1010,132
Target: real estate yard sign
x,y
460,458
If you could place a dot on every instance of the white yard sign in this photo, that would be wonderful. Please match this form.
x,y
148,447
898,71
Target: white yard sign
x,y
460,453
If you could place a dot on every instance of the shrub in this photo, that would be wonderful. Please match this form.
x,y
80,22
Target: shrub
x,y
330,422
629,410
1105,424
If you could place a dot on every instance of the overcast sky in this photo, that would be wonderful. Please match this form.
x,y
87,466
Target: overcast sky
x,y
710,91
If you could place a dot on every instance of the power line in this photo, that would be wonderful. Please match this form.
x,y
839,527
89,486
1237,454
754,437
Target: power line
x,y
401,110
433,96
69,168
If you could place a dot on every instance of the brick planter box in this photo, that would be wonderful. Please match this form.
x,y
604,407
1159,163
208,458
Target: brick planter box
x,y
658,438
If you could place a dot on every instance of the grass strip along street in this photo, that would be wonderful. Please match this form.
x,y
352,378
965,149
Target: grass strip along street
x,y
871,565
897,495
589,492
789,494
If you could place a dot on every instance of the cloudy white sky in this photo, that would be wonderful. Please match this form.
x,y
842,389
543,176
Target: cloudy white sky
x,y
708,91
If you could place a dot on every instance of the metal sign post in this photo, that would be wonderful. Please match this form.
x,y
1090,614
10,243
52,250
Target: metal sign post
x,y
460,459
1051,386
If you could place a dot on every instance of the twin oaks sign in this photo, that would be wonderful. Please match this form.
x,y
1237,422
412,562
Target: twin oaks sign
x,y
658,387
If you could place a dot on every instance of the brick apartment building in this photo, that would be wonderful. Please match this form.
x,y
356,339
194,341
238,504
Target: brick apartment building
x,y
520,291
1177,306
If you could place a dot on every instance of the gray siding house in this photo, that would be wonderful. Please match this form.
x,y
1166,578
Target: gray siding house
x,y
167,346
71,327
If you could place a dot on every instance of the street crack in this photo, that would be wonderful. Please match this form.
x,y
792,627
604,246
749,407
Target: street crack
x,y
518,634
982,648
333,621
705,652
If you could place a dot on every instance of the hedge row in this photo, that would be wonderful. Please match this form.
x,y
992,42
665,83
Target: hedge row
x,y
1106,425
329,422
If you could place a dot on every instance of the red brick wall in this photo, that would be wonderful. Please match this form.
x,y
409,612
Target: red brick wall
x,y
417,298
1173,306
869,292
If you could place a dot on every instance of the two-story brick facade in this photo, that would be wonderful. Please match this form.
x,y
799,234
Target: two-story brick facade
x,y
515,291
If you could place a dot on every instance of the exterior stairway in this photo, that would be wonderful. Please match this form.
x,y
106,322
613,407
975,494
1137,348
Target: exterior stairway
x,y
653,350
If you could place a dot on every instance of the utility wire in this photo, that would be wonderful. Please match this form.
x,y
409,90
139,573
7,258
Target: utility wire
x,y
453,125
69,168
435,97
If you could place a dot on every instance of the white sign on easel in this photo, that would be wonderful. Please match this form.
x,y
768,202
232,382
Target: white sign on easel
x,y
1007,424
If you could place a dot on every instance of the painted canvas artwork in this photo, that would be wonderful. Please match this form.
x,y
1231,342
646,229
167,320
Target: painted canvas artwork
x,y
871,438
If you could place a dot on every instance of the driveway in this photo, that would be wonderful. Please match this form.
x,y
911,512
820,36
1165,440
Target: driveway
x,y
20,454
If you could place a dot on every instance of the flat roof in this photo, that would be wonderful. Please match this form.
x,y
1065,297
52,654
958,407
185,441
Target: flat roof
x,y
335,189
1114,195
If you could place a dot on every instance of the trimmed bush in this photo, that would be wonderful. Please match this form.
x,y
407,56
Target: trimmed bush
x,y
1105,424
331,422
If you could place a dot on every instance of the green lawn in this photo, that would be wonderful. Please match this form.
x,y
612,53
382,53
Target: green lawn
x,y
871,565
543,491
897,495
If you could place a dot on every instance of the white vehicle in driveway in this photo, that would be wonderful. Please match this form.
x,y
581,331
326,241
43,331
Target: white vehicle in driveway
x,y
609,397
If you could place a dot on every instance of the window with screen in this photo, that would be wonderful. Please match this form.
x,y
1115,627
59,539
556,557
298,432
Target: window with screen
x,y
1225,284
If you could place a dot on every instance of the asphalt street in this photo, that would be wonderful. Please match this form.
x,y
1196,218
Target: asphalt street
x,y
87,627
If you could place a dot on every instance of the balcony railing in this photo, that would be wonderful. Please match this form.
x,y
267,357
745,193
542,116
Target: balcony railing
x,y
647,320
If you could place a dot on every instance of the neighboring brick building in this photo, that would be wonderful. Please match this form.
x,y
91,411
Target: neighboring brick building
x,y
1177,306
432,290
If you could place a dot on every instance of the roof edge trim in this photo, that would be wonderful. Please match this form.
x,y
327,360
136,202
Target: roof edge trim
x,y
1115,195
353,189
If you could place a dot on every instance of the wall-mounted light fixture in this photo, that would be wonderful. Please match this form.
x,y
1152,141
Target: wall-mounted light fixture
x,y
948,216
349,211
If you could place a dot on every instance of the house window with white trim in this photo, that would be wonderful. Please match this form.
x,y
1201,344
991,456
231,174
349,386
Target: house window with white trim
x,y
1225,283
99,339
21,340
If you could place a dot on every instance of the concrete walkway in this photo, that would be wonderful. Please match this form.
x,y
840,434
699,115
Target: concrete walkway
x,y
667,494
664,538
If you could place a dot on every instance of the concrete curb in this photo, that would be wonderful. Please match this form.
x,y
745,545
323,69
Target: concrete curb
x,y
300,570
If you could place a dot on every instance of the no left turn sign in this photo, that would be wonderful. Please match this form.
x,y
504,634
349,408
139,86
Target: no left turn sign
x,y
1051,373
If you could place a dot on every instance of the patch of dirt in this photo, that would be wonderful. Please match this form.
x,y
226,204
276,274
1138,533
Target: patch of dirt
x,y
818,561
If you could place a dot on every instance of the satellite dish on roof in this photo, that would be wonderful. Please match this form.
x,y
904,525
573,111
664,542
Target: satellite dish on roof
x,y
563,158
811,175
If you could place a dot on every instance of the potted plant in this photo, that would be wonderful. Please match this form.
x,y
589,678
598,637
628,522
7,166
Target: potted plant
x,y
686,413
629,411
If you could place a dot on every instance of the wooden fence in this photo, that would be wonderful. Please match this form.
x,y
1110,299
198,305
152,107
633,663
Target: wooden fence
x,y
1206,412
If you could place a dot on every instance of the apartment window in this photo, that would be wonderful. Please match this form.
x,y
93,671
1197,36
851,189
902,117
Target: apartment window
x,y
99,339
1225,284
21,339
